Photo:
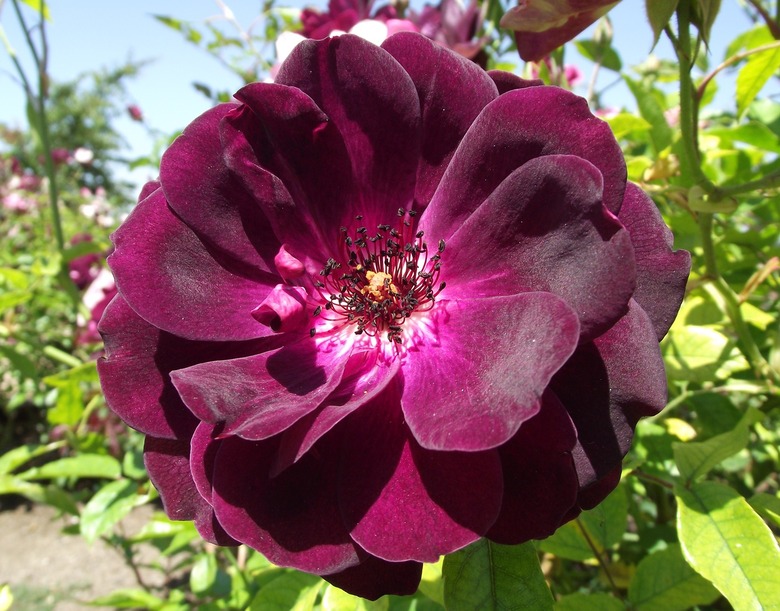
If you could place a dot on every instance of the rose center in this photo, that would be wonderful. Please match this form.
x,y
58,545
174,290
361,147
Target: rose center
x,y
381,278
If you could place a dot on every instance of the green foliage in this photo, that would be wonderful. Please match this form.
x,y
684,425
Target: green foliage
x,y
488,576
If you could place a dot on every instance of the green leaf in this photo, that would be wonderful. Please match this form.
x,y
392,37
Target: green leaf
x,y
488,576
18,456
600,53
109,505
84,465
665,582
651,111
767,505
204,573
129,599
659,12
589,602
568,542
291,591
695,458
431,584
700,354
705,12
6,598
335,599
36,6
84,372
10,484
752,77
725,541
606,523
625,123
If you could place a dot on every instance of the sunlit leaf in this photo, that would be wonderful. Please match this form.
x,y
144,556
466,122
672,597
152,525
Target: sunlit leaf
x,y
695,458
489,576
700,354
665,582
83,465
766,505
752,77
203,573
108,506
291,591
606,522
726,542
651,111
335,599
568,542
659,12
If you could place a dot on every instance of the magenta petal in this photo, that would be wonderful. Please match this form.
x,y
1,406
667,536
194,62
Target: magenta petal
x,y
506,81
494,358
373,103
167,462
518,126
545,229
134,371
177,284
606,387
452,92
293,518
209,198
661,272
374,577
366,374
540,482
259,396
402,502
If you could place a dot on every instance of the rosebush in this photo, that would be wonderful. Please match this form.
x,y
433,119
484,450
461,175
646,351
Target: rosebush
x,y
385,306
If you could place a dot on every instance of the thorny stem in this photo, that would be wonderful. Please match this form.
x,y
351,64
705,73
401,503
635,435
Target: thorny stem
x,y
599,557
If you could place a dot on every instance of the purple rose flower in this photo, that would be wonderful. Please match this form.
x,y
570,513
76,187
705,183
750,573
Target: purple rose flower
x,y
541,26
385,306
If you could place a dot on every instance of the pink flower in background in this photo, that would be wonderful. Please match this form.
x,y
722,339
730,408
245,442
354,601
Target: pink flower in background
x,y
453,25
569,77
84,269
541,26
360,333
342,15
135,112
96,299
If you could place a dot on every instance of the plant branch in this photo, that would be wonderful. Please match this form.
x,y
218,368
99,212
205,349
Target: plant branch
x,y
774,28
599,558
737,57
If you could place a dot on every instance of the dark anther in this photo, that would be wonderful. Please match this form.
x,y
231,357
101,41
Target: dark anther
x,y
317,311
312,332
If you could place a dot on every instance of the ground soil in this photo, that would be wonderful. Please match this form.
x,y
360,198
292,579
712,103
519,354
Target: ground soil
x,y
52,571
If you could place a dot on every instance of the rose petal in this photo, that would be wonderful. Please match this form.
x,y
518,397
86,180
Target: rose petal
x,y
545,229
374,577
203,192
540,482
661,272
167,462
293,518
506,81
134,372
452,92
494,357
172,280
606,387
402,502
373,103
259,396
518,126
366,374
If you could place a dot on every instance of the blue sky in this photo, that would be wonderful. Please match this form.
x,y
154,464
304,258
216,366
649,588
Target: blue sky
x,y
88,34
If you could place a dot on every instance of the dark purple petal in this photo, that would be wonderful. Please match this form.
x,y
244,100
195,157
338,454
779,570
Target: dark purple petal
x,y
506,81
474,387
606,387
209,198
540,482
259,396
366,374
661,272
519,126
402,502
373,103
374,577
293,518
173,281
167,462
542,27
294,162
135,370
545,229
452,92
